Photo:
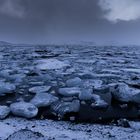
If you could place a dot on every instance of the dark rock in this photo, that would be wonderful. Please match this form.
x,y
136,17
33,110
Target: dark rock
x,y
123,123
26,135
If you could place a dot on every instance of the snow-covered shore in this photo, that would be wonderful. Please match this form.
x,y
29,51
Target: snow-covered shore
x,y
14,128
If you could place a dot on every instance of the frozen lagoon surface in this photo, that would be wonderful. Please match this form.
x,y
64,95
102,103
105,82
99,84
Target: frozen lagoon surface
x,y
69,82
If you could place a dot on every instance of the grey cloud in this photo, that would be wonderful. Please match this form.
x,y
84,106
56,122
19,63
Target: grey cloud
x,y
44,21
12,8
116,10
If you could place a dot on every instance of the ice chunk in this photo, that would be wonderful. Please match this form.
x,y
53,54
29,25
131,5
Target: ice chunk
x,y
74,82
51,64
43,100
62,108
39,89
72,91
124,93
86,94
24,109
4,112
134,70
99,103
6,88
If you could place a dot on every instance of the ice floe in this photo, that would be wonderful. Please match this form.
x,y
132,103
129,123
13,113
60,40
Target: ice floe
x,y
48,64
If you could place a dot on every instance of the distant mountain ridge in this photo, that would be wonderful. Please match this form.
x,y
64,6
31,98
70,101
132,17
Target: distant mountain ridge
x,y
4,43
85,43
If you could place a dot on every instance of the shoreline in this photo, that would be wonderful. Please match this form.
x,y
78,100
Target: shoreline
x,y
61,130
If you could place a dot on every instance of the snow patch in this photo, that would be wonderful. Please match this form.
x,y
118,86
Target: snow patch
x,y
5,130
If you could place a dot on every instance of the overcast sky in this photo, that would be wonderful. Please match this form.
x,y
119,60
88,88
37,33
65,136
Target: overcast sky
x,y
63,21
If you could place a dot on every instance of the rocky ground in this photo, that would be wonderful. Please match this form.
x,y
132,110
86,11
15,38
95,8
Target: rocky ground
x,y
70,82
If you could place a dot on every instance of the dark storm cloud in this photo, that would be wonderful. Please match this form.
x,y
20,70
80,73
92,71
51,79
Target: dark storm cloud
x,y
42,21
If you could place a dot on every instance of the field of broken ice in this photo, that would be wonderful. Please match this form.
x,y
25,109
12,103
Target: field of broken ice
x,y
82,84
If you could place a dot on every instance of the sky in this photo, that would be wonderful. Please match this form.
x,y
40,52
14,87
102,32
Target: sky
x,y
70,21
